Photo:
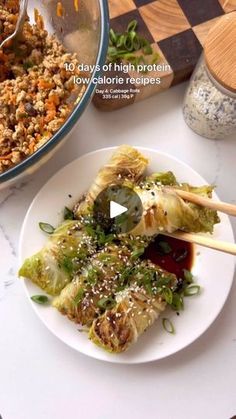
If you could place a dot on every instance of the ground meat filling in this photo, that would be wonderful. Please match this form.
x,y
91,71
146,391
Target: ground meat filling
x,y
35,89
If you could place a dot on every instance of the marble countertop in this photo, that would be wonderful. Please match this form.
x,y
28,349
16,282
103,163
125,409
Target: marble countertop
x,y
43,378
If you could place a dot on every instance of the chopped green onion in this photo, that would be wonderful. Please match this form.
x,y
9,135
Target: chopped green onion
x,y
148,287
177,302
110,238
164,247
79,297
113,36
46,228
124,277
137,253
132,25
188,276
90,231
106,303
191,290
168,295
132,35
120,42
99,235
156,58
168,326
129,44
40,299
92,275
163,281
107,258
68,214
147,49
136,44
112,51
123,46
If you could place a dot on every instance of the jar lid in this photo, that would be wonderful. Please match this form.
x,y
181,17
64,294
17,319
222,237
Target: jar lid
x,y
220,51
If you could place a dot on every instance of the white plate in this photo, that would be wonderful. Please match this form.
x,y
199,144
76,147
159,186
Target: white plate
x,y
214,270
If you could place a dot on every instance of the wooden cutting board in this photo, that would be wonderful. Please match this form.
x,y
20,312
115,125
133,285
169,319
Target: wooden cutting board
x,y
176,29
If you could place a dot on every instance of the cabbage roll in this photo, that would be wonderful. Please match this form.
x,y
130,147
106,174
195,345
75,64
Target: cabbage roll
x,y
66,251
137,307
164,210
169,179
93,290
126,164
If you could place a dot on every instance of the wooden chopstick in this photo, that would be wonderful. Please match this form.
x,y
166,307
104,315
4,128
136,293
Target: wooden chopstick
x,y
204,241
229,209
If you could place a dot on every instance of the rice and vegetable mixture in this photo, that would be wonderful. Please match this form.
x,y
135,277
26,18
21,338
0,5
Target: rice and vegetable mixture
x,y
35,88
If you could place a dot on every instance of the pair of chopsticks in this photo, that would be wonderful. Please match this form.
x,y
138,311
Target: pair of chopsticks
x,y
205,241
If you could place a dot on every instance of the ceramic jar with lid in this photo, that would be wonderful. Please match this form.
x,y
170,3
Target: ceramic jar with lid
x,y
210,101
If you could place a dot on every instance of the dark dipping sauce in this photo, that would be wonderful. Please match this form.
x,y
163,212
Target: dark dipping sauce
x,y
173,255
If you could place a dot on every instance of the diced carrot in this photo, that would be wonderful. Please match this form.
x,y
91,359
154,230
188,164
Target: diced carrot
x,y
50,106
43,84
60,9
7,157
41,123
50,115
38,19
12,98
55,99
31,147
76,4
51,110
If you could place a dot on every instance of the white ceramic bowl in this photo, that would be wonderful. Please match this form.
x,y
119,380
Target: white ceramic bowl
x,y
93,14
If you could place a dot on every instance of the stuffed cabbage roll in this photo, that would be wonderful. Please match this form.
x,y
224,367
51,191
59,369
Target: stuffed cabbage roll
x,y
164,210
126,164
93,290
66,251
137,307
169,179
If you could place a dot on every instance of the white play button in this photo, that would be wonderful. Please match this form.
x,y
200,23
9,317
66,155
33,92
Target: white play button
x,y
116,209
